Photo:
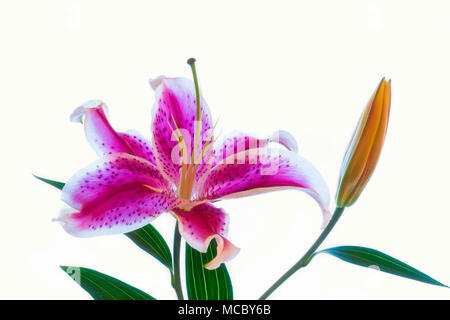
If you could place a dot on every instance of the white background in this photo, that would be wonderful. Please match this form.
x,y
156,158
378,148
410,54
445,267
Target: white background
x,y
307,67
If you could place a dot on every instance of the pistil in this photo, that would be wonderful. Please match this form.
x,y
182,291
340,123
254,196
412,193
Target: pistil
x,y
189,169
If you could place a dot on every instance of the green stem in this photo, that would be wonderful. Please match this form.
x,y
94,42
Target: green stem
x,y
305,259
176,279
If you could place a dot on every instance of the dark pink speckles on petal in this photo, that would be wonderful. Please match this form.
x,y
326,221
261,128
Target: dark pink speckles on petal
x,y
139,146
104,139
100,135
108,174
263,170
237,142
128,209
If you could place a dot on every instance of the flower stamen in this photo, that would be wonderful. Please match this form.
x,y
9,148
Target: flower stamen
x,y
183,150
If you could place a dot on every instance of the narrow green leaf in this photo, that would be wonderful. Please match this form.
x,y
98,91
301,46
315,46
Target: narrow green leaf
x,y
367,257
53,183
203,284
146,238
150,240
103,287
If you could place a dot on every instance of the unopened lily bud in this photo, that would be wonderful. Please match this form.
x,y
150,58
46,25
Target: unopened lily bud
x,y
365,146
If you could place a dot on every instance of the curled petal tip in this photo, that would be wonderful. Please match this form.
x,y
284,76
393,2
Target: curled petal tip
x,y
216,262
154,83
286,139
93,104
78,114
225,252
63,216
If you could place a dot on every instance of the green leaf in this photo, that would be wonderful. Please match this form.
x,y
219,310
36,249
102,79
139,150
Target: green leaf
x,y
150,240
203,284
146,238
370,257
103,287
53,183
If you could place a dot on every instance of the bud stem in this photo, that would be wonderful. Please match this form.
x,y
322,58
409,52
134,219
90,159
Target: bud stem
x,y
306,258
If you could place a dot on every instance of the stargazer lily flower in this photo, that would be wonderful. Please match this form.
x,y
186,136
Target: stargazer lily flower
x,y
183,170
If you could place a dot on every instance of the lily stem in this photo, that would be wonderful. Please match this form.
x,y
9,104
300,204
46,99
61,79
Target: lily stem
x,y
306,258
176,279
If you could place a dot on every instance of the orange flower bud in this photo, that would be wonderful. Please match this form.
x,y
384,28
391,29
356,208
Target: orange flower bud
x,y
365,146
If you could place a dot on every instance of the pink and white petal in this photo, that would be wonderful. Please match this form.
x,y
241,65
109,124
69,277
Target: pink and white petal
x,y
202,224
154,83
176,101
139,146
99,132
78,114
104,139
109,174
237,142
225,252
263,170
286,139
124,211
